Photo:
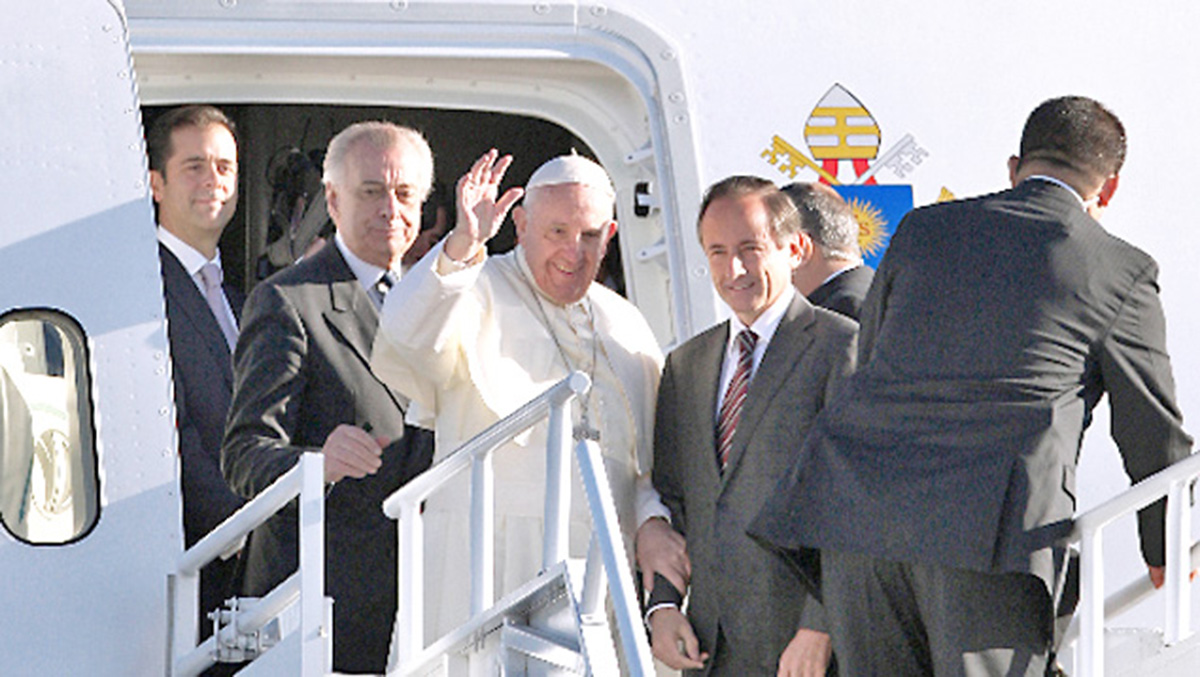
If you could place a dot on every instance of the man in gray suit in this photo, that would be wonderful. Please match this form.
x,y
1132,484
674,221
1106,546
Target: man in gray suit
x,y
940,479
831,273
303,383
731,410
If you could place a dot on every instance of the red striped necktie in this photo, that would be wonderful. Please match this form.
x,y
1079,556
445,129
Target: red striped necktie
x,y
735,396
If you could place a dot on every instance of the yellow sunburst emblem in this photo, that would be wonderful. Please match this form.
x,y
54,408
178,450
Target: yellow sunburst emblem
x,y
872,227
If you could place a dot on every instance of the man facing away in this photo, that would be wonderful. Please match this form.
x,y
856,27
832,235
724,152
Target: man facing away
x,y
831,273
939,482
734,404
471,338
193,178
303,384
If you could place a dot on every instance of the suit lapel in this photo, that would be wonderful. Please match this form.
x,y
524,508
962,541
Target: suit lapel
x,y
706,386
351,315
787,346
189,308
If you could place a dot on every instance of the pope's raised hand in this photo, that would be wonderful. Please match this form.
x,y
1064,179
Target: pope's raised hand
x,y
481,208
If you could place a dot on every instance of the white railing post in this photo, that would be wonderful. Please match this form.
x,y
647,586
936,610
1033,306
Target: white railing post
x,y
185,608
409,633
590,600
1179,529
316,638
306,481
483,545
616,564
408,637
1091,604
558,486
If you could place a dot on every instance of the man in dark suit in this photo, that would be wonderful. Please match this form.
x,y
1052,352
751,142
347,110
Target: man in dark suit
x,y
303,383
939,481
831,273
193,177
725,434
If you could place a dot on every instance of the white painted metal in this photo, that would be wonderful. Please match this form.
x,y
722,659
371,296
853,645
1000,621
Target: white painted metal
x,y
78,237
1173,482
616,564
1124,599
408,650
545,605
316,629
483,546
1091,605
614,74
250,619
558,485
1179,547
315,655
592,598
404,505
408,635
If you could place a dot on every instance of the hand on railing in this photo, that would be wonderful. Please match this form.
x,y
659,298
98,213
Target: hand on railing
x,y
661,549
351,452
1158,575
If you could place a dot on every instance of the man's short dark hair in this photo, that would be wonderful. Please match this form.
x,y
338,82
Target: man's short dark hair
x,y
826,219
780,209
1075,132
158,139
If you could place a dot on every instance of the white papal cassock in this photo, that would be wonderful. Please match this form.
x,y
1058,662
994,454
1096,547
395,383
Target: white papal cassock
x,y
469,345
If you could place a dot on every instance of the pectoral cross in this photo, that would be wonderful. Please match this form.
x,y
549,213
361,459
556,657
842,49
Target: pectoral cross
x,y
583,431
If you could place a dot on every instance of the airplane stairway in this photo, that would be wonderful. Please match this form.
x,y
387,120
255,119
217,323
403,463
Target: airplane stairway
x,y
557,623
539,629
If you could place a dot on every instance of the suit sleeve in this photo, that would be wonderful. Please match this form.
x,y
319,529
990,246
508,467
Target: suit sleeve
x,y
667,472
210,501
1146,421
843,363
268,382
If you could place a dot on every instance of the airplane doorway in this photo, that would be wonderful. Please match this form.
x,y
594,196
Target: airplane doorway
x,y
281,147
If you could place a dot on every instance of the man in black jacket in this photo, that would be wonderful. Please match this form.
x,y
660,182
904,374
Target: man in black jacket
x,y
831,273
303,383
937,484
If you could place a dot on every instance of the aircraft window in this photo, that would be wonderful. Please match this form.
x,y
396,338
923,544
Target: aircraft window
x,y
48,478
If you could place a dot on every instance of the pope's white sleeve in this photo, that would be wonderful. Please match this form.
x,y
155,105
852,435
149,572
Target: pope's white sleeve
x,y
649,504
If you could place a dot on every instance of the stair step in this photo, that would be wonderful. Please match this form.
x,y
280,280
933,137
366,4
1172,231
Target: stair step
x,y
536,630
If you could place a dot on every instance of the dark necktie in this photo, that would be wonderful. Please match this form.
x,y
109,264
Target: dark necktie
x,y
383,285
735,396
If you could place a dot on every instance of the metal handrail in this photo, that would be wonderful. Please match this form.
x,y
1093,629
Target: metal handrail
x,y
1125,599
1174,482
528,415
305,480
608,546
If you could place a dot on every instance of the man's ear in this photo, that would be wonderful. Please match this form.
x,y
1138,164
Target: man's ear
x,y
1014,164
157,181
794,244
331,202
805,249
1107,190
520,218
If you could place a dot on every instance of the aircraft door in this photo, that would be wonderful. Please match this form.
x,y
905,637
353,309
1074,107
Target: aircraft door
x,y
89,493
